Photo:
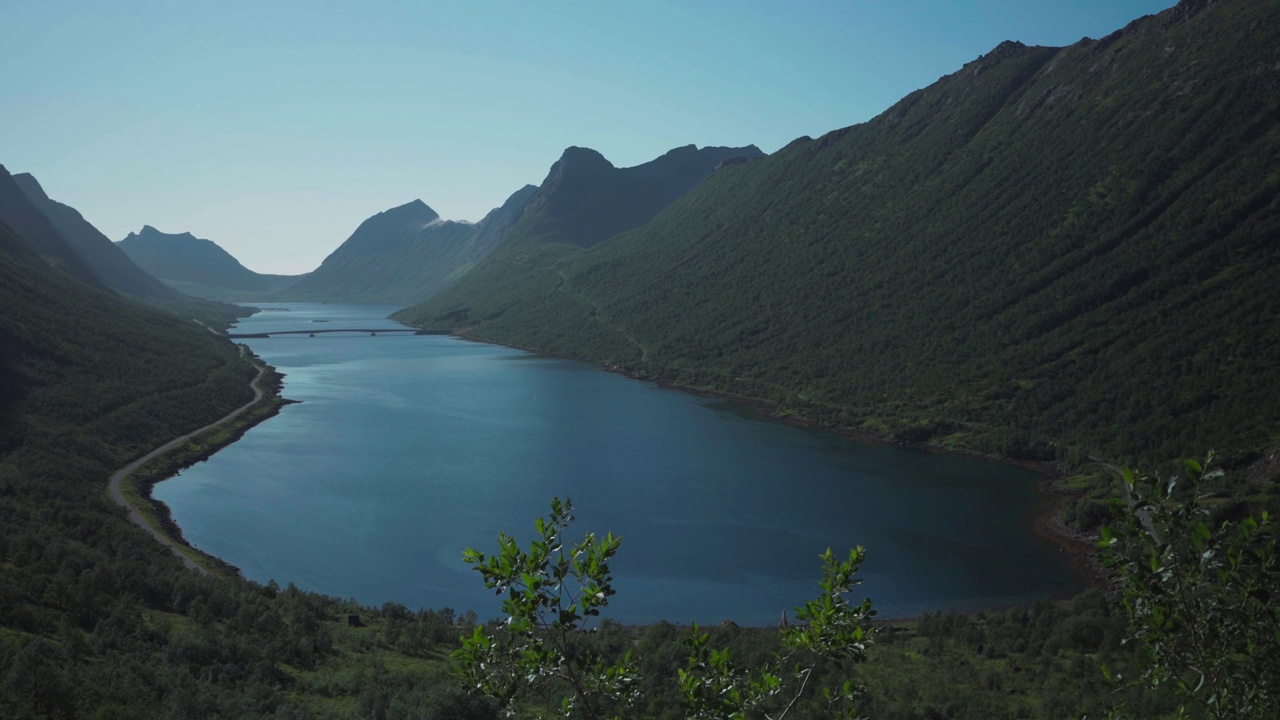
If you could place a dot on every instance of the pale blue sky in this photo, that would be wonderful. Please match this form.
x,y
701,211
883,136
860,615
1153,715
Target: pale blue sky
x,y
274,128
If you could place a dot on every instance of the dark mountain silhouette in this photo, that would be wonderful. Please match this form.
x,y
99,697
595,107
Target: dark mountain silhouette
x,y
198,267
584,201
107,261
406,254
30,224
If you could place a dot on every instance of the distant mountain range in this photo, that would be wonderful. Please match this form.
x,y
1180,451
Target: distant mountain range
x,y
406,254
60,235
199,267
109,263
584,201
1053,252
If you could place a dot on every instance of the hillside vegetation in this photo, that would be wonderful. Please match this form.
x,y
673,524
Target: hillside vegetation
x,y
99,620
1052,252
1052,246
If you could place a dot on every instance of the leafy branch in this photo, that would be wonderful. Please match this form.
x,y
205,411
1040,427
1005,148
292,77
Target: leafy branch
x,y
831,635
552,590
1202,601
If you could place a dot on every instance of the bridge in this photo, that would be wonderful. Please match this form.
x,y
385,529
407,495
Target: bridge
x,y
313,333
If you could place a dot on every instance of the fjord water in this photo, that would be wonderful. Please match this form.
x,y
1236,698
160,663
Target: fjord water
x,y
407,449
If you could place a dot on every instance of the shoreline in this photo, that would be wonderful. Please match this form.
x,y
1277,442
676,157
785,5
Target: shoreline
x,y
1043,523
141,475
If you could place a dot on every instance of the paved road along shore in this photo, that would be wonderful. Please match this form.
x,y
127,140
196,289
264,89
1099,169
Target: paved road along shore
x,y
118,476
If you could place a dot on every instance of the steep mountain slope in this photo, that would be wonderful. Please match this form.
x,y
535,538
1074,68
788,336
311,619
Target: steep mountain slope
x,y
198,267
584,201
79,361
107,261
35,230
406,254
88,381
110,265
1052,251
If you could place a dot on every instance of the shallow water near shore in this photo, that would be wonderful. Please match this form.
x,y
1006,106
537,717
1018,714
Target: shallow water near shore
x,y
407,449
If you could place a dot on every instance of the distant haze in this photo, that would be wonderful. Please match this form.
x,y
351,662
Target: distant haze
x,y
275,130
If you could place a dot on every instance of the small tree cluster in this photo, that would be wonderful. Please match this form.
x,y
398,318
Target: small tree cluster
x,y
540,654
1202,601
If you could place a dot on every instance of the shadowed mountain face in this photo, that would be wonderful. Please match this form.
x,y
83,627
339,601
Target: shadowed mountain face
x,y
584,201
406,254
70,243
198,267
1052,250
88,377
107,261
30,224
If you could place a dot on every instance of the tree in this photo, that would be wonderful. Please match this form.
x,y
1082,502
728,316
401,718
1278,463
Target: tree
x,y
539,654
551,592
831,634
1202,601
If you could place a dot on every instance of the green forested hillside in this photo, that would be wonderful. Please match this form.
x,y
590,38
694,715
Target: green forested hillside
x,y
1050,252
99,620
406,254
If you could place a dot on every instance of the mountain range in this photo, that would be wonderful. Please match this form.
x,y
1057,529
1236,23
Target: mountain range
x,y
406,254
1053,252
37,231
60,235
1003,262
583,202
198,267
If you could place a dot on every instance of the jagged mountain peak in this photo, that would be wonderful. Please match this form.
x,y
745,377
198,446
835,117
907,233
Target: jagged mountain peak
x,y
1000,236
577,163
577,154
403,255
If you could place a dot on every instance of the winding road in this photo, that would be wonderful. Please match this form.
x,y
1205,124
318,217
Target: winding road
x,y
118,476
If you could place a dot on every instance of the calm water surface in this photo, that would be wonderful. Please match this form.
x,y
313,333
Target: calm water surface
x,y
408,449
